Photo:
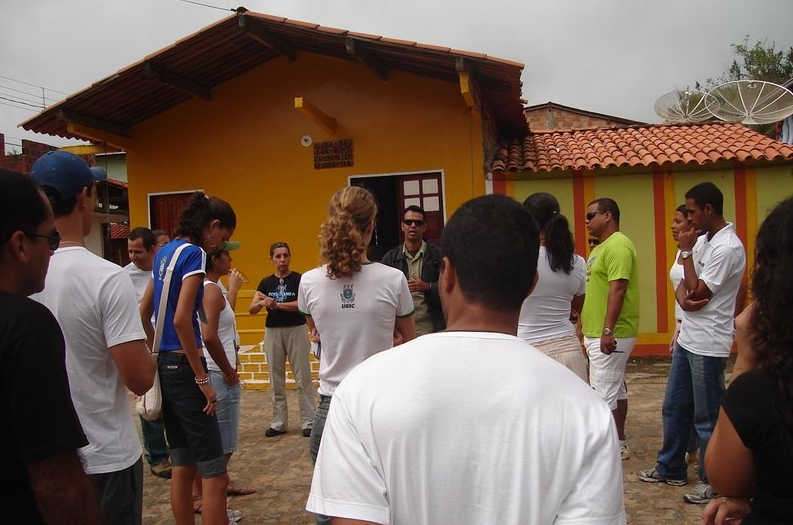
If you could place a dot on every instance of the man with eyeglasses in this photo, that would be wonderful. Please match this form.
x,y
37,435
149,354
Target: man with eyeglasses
x,y
94,303
43,479
610,317
421,263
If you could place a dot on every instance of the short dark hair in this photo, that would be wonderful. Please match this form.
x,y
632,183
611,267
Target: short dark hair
x,y
280,244
160,233
23,208
146,235
682,209
707,193
493,243
62,206
606,204
213,257
416,209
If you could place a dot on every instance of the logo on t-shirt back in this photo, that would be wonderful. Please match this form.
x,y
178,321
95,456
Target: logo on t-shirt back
x,y
161,271
347,297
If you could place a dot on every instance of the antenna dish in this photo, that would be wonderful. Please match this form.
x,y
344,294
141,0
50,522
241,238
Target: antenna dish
x,y
677,106
752,102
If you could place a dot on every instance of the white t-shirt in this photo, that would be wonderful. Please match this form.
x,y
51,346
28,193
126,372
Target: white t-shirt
x,y
355,316
94,303
675,276
227,332
468,428
545,313
140,279
720,264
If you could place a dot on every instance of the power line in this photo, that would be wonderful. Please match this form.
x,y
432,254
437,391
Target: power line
x,y
206,5
18,107
35,95
32,85
17,101
30,98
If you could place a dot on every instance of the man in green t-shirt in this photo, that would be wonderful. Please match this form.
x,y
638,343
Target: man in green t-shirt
x,y
610,318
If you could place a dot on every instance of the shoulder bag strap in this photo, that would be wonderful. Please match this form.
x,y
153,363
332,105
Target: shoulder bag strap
x,y
166,287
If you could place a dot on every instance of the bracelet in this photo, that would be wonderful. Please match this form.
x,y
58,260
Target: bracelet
x,y
204,381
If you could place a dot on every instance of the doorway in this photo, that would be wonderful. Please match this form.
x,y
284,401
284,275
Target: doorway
x,y
165,209
396,192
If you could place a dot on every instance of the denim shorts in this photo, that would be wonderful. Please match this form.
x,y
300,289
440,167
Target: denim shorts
x,y
227,411
193,436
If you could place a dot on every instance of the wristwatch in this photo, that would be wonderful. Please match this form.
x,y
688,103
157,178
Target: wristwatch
x,y
608,331
685,254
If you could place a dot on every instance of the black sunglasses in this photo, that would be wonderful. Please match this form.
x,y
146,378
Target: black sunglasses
x,y
591,215
53,239
412,222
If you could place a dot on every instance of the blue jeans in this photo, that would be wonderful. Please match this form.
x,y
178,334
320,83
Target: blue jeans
x,y
154,441
320,416
694,392
227,411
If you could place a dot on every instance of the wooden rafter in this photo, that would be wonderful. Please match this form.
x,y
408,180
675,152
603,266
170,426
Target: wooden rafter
x,y
180,82
257,33
366,57
115,128
316,114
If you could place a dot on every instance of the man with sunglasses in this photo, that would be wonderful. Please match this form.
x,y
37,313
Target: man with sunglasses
x,y
43,479
610,317
420,262
94,303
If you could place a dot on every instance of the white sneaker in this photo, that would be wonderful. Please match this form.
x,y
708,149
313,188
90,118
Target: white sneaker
x,y
625,451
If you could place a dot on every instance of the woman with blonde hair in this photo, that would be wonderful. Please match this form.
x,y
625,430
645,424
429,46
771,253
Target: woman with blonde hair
x,y
352,305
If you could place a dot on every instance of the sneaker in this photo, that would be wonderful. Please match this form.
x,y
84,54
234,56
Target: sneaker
x,y
162,469
625,451
234,516
307,432
652,476
271,432
701,494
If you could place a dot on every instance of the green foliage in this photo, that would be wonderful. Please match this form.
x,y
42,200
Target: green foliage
x,y
758,61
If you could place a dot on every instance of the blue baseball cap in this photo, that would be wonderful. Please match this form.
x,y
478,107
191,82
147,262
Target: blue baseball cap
x,y
65,172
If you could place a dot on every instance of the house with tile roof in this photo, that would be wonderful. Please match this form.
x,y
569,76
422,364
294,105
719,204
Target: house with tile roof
x,y
647,169
552,116
275,115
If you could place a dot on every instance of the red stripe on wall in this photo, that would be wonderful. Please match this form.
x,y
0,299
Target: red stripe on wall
x,y
741,220
579,211
499,184
659,208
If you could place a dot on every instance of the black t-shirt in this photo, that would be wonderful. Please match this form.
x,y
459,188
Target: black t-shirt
x,y
756,409
35,400
283,291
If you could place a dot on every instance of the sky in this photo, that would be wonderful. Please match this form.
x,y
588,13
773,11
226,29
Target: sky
x,y
607,56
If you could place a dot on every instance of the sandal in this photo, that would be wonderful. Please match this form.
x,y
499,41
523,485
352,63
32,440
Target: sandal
x,y
239,491
197,505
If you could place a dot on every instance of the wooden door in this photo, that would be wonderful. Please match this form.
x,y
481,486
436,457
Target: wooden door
x,y
164,211
424,190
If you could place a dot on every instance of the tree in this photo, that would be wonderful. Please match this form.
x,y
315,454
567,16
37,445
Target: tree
x,y
758,61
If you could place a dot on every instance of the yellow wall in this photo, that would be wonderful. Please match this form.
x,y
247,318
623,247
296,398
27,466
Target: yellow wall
x,y
765,186
244,146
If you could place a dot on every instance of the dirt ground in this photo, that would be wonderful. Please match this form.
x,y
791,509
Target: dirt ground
x,y
280,468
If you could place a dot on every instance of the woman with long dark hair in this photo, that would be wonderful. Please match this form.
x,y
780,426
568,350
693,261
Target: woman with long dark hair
x,y
749,459
188,396
548,315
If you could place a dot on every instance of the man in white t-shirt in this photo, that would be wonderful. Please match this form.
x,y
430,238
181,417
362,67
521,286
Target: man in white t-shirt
x,y
713,267
141,247
471,425
94,303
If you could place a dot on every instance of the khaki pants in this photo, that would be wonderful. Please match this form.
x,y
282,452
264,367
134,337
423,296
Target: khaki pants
x,y
289,343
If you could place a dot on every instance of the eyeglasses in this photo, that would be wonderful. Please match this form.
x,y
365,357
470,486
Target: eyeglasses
x,y
413,222
53,238
591,215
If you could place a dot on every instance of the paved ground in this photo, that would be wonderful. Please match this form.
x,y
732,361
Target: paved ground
x,y
280,468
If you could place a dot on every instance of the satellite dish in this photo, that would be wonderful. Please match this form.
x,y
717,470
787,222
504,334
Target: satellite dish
x,y
752,102
678,106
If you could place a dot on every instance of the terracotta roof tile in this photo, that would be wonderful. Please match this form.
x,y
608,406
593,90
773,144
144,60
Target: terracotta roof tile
x,y
648,145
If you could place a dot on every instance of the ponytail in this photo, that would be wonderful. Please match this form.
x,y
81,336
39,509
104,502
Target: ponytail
x,y
555,230
200,212
342,244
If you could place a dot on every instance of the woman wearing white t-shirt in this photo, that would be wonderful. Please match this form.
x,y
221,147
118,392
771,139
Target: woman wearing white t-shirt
x,y
351,304
681,223
547,314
